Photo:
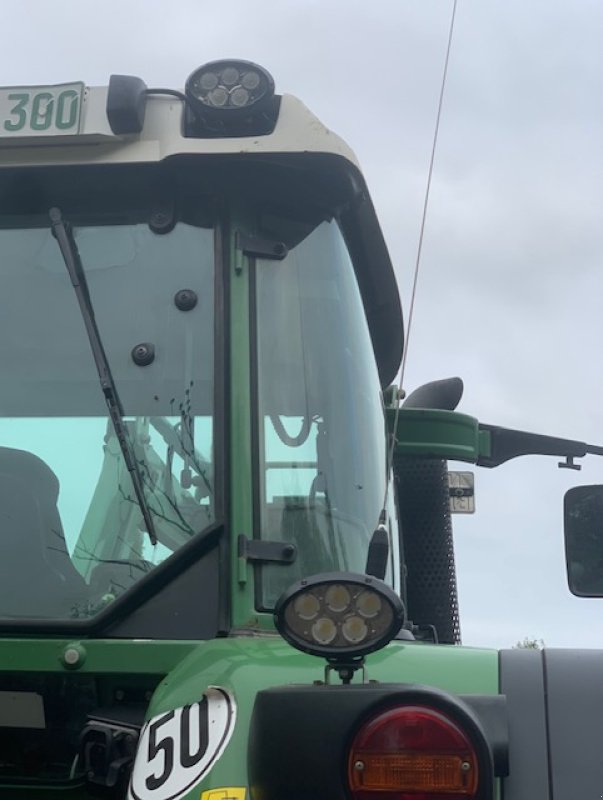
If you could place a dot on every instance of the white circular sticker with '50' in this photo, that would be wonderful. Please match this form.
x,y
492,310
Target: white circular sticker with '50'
x,y
178,748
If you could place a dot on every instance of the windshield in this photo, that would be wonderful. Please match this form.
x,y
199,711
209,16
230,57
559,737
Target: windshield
x,y
322,443
73,538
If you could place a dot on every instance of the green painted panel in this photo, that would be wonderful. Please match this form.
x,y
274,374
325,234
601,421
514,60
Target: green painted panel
x,y
95,655
438,434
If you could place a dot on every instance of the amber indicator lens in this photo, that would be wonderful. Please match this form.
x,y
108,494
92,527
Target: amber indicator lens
x,y
412,753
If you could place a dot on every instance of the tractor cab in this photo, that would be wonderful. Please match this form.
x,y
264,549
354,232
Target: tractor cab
x,y
197,323
226,559
190,380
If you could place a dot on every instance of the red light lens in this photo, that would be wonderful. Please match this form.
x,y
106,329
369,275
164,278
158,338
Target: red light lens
x,y
412,753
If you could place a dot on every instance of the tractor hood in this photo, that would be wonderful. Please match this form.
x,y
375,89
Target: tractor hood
x,y
539,714
241,668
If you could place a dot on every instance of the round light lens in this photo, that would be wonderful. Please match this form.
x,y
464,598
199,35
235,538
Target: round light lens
x,y
239,97
414,751
250,80
218,97
324,630
307,606
368,604
229,97
208,81
354,629
337,598
230,76
339,615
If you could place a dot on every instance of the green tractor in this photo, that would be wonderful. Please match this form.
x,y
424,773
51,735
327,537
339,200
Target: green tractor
x,y
226,562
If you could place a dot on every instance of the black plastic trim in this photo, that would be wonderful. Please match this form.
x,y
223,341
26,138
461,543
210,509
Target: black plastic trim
x,y
263,550
126,104
199,125
321,722
506,443
257,425
378,287
261,247
222,387
491,710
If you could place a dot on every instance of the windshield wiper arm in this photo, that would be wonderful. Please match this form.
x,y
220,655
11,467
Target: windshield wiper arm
x,y
71,257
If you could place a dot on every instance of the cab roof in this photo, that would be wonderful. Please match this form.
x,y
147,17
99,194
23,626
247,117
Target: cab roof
x,y
299,143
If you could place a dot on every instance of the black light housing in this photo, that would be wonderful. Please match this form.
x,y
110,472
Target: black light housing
x,y
230,98
339,616
126,104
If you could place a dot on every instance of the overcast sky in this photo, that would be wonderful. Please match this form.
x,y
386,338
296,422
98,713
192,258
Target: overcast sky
x,y
511,284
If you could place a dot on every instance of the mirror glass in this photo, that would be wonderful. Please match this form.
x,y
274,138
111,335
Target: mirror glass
x,y
583,523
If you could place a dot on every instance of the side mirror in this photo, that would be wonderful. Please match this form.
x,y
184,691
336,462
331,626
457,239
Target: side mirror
x,y
583,526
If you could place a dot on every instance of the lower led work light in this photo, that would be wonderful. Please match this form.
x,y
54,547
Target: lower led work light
x,y
340,616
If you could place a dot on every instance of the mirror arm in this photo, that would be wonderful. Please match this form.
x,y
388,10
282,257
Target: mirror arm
x,y
506,443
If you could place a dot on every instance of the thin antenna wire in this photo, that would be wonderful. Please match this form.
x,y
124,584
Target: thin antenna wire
x,y
420,246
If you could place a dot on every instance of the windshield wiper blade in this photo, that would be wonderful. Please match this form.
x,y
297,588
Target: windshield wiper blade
x,y
64,236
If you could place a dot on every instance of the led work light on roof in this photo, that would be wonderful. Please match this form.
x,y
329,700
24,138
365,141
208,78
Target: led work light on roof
x,y
340,616
230,98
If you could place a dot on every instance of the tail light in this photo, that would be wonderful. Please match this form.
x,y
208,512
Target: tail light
x,y
412,753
